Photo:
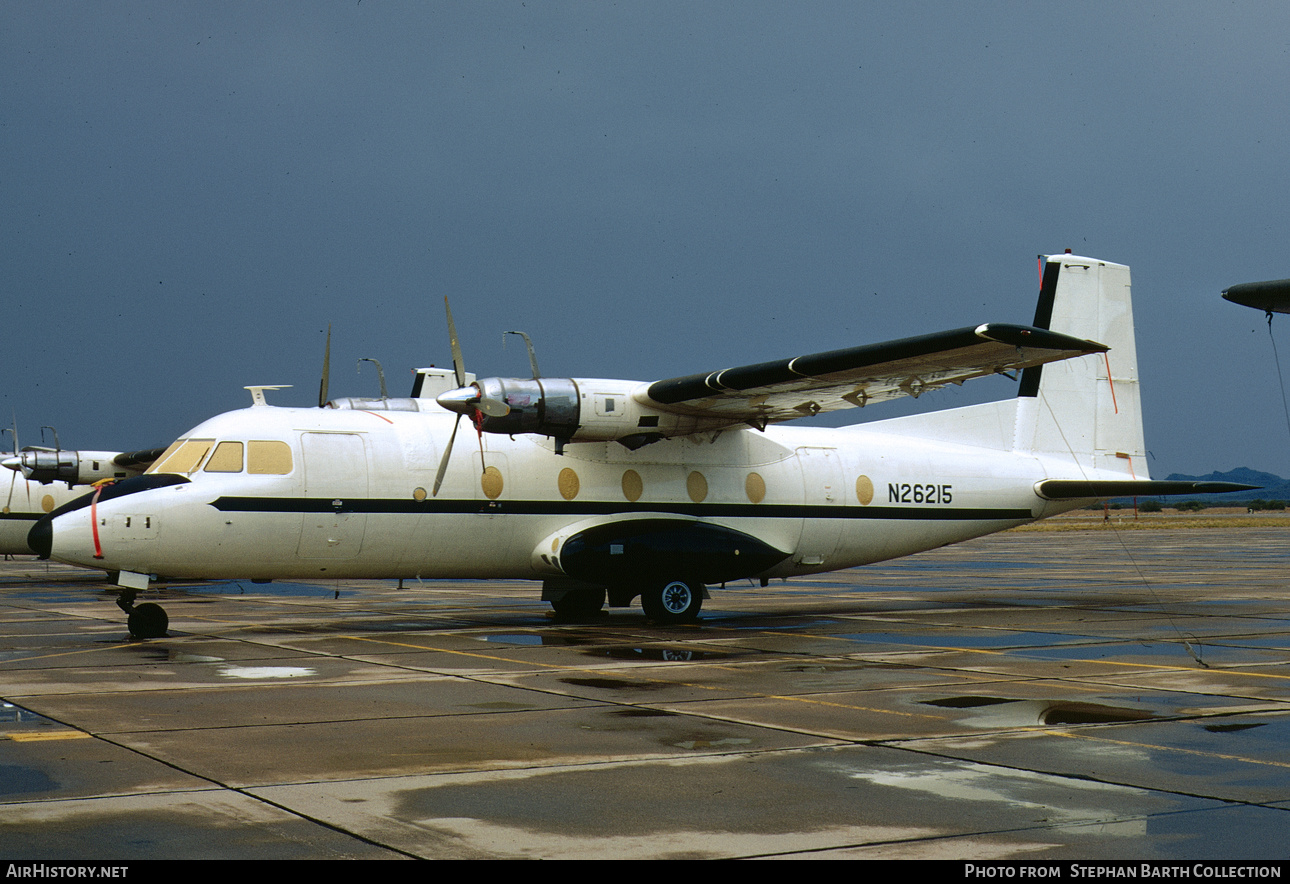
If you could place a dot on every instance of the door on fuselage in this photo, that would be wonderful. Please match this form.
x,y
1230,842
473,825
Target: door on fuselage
x,y
822,490
335,471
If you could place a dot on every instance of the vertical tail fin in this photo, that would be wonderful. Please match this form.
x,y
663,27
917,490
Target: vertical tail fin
x,y
1088,408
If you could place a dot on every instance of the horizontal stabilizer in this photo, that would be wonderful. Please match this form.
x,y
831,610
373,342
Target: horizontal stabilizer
x,y
1077,489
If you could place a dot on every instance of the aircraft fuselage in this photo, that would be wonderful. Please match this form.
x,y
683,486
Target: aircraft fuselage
x,y
355,500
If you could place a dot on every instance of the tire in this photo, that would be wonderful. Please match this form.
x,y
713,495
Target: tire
x,y
148,621
579,604
673,601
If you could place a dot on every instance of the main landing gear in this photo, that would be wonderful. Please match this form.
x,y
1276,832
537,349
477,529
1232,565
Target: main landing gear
x,y
665,602
145,621
673,601
579,604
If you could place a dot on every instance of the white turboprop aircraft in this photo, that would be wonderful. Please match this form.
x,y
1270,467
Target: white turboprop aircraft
x,y
657,490
44,479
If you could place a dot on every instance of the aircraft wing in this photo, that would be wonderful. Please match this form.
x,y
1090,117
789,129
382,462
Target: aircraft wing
x,y
769,392
1272,296
79,466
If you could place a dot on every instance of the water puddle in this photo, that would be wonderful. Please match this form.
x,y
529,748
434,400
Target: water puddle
x,y
614,684
666,655
1003,712
1232,728
515,639
255,672
11,714
157,654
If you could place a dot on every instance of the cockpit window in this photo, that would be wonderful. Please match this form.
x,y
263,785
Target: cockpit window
x,y
226,459
183,457
272,457
165,455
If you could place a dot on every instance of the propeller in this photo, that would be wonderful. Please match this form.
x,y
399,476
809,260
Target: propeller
x,y
466,400
14,477
326,372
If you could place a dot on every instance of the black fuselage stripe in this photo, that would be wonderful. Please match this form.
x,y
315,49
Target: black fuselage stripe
x,y
605,508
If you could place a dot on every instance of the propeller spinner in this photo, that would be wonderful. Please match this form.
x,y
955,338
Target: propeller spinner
x,y
468,400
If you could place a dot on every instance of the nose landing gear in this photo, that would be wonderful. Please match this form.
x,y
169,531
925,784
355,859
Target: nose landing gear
x,y
145,621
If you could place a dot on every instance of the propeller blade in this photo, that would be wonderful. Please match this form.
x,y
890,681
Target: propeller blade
x,y
458,364
443,461
493,407
326,372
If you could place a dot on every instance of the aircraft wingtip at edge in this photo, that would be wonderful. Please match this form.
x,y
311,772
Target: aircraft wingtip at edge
x,y
1271,296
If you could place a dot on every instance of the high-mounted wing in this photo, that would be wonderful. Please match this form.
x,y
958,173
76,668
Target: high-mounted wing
x,y
769,392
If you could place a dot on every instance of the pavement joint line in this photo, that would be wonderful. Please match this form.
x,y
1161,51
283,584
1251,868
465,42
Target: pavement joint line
x,y
700,686
68,653
1223,756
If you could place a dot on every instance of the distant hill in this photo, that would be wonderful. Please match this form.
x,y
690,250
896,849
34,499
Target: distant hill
x,y
1271,486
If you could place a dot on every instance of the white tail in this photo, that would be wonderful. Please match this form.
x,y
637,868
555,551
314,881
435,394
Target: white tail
x,y
1087,408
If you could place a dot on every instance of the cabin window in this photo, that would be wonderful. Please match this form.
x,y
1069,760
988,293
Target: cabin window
x,y
227,458
271,458
185,458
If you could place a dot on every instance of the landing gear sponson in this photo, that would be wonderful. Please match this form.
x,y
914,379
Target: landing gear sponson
x,y
666,560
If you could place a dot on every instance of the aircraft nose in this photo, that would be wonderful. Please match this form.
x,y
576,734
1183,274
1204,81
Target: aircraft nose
x,y
41,537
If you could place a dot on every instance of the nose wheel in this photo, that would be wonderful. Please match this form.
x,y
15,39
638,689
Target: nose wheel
x,y
145,621
673,601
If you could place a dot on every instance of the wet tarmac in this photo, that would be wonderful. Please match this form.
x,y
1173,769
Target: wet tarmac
x,y
1033,695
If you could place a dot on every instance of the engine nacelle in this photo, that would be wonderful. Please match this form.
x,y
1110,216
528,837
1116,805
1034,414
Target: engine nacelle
x,y
73,467
547,406
570,410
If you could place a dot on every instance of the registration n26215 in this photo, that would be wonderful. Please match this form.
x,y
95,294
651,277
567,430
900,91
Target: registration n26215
x,y
917,492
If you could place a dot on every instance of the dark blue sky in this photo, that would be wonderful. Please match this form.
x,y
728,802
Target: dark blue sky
x,y
192,191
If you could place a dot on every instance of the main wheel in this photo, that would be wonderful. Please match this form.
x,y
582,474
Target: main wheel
x,y
674,601
578,604
148,621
